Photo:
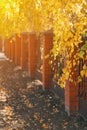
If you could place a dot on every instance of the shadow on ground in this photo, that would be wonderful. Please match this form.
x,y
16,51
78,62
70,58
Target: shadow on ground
x,y
25,106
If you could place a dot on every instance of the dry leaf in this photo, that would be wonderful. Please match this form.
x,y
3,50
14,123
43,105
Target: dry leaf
x,y
45,126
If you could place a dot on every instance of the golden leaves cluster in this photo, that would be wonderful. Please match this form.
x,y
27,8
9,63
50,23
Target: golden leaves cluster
x,y
67,19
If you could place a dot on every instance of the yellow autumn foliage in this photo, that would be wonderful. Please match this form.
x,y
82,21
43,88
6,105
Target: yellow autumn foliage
x,y
66,18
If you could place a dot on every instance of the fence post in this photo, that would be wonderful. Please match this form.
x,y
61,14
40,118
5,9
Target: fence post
x,y
32,54
24,50
9,45
7,48
38,52
71,92
13,50
18,50
0,44
47,71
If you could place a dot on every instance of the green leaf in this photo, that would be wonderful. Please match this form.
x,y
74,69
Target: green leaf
x,y
79,79
81,54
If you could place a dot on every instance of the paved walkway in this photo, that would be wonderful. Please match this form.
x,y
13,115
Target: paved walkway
x,y
2,56
25,106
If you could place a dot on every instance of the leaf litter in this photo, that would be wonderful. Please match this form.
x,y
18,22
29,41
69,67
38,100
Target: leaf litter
x,y
24,105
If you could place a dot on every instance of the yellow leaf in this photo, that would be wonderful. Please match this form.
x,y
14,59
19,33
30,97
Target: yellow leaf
x,y
84,67
82,72
45,126
86,73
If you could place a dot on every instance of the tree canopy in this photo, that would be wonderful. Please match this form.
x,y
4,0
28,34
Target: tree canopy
x,y
67,19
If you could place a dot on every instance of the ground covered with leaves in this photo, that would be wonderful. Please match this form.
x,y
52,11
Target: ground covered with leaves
x,y
24,105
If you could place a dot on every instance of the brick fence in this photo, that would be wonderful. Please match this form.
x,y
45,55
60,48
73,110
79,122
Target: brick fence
x,y
25,51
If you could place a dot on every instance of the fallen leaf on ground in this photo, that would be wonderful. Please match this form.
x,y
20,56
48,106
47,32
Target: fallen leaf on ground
x,y
45,126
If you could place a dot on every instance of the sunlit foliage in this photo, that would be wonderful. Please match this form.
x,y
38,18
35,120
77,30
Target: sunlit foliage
x,y
66,18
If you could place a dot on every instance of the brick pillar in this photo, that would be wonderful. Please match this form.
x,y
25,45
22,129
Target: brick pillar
x,y
5,43
0,44
7,48
71,98
13,50
47,71
32,55
71,92
18,50
38,53
24,51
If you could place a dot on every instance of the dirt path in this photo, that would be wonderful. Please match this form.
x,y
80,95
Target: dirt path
x,y
25,106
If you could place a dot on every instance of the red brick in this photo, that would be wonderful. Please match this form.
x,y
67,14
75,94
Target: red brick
x,y
47,71
71,97
12,42
32,54
7,48
38,52
18,50
24,50
0,44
